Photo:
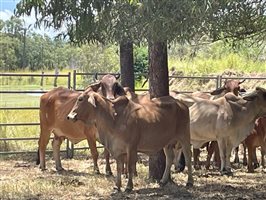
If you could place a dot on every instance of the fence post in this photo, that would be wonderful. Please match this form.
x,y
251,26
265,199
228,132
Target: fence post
x,y
41,84
69,146
56,71
218,81
74,88
74,79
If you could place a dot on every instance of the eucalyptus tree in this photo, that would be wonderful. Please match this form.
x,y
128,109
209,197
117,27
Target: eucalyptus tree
x,y
184,21
89,21
160,22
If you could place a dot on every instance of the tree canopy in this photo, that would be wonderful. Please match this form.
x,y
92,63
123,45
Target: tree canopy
x,y
183,20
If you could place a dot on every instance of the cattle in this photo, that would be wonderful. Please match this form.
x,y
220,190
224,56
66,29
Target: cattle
x,y
257,138
227,120
189,99
126,127
54,107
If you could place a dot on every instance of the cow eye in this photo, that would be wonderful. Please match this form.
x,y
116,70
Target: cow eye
x,y
80,99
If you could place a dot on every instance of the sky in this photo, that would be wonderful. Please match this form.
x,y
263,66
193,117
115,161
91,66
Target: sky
x,y
7,8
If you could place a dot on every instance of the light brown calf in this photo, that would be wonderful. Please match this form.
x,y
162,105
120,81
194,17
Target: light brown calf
x,y
54,107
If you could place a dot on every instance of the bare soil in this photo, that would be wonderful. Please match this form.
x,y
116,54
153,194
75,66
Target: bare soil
x,y
20,178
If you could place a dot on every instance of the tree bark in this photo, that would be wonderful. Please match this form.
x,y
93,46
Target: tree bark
x,y
126,64
159,86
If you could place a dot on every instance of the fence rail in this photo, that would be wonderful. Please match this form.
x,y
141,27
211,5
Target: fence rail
x,y
72,79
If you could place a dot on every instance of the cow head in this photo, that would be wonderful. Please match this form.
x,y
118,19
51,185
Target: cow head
x,y
259,95
229,86
84,108
108,86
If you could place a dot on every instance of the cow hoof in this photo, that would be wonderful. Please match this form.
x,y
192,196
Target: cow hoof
x,y
162,184
108,173
179,169
43,169
128,190
227,173
236,160
116,190
250,170
97,171
189,185
197,167
60,169
256,165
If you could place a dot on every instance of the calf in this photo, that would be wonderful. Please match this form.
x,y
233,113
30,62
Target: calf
x,y
54,107
126,127
256,139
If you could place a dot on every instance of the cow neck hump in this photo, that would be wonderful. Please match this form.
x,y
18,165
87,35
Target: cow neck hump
x,y
105,114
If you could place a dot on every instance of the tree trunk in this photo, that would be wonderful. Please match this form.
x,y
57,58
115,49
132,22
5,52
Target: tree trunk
x,y
126,64
159,86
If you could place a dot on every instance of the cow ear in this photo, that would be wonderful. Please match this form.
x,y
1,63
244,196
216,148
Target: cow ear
x,y
120,90
217,91
91,100
250,97
95,87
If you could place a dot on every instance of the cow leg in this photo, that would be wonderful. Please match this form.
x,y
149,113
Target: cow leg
x,y
187,153
236,150
217,158
56,143
94,154
119,166
255,160
221,145
245,155
210,151
131,166
228,151
108,170
179,161
250,158
125,167
196,153
169,154
43,141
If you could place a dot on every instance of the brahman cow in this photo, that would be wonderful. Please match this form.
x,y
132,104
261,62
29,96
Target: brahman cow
x,y
54,108
189,99
256,139
227,120
126,127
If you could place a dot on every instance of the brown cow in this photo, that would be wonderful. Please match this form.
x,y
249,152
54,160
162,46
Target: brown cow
x,y
256,139
54,107
126,127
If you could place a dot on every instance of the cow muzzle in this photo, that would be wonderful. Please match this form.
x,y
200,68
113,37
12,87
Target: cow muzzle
x,y
72,116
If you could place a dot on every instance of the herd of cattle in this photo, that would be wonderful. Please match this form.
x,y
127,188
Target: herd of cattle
x,y
127,123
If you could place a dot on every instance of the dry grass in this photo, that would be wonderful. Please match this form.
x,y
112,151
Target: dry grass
x,y
22,179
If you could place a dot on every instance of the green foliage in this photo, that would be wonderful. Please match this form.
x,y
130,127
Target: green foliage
x,y
9,51
217,58
36,52
141,61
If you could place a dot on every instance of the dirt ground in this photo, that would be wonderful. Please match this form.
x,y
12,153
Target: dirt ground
x,y
20,178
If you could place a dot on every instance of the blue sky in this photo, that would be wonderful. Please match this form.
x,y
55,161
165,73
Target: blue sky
x,y
7,10
8,5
